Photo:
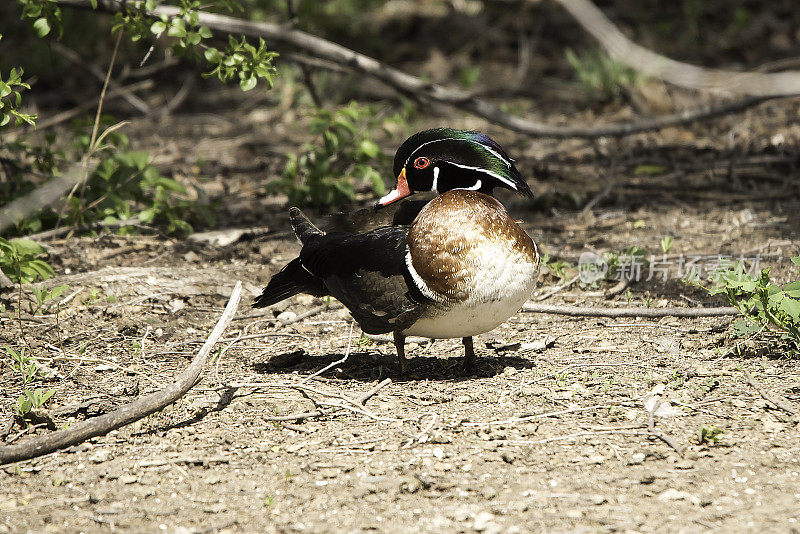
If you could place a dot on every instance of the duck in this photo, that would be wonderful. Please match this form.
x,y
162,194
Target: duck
x,y
455,266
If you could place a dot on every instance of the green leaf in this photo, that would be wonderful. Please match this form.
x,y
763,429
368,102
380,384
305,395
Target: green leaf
x,y
369,149
796,260
94,4
177,28
792,308
792,289
26,247
41,26
248,83
158,27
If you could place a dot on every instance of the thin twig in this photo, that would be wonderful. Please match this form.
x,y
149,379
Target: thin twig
x,y
651,429
362,400
557,289
578,311
333,364
767,397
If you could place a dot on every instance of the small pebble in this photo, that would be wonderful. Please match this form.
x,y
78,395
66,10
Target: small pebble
x,y
287,316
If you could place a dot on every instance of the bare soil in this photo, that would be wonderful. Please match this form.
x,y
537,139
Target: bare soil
x,y
549,434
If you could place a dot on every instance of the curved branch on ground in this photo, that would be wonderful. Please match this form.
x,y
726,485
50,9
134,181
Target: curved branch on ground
x,y
578,311
677,73
407,83
142,407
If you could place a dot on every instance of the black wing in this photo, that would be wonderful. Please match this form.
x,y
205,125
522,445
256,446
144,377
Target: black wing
x,y
367,273
368,219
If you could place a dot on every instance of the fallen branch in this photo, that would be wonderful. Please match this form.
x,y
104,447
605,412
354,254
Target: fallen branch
x,y
578,311
42,197
418,87
138,409
650,63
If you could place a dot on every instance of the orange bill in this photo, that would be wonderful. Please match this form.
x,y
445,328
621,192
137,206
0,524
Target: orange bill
x,y
400,191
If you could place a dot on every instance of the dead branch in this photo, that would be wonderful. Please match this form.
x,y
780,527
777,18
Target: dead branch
x,y
767,397
131,412
42,197
407,83
675,72
578,311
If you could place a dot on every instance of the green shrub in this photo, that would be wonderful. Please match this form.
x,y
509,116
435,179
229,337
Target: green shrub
x,y
327,171
762,303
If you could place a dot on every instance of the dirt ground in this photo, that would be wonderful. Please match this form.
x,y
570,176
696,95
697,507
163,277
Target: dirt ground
x,y
548,435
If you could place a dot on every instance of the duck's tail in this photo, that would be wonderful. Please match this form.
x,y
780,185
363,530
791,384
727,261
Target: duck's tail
x,y
291,280
303,227
294,278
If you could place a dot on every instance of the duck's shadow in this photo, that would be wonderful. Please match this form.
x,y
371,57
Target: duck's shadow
x,y
369,366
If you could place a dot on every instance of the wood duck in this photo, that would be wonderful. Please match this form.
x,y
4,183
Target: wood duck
x,y
459,267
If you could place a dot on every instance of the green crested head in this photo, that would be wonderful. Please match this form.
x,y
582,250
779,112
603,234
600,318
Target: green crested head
x,y
442,159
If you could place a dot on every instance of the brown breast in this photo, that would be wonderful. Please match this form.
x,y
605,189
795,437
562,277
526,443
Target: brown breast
x,y
444,238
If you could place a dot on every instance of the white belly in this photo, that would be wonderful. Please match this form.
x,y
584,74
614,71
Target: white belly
x,y
501,285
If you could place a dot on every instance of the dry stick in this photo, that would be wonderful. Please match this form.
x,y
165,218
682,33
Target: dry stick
x,y
129,413
362,400
557,288
407,83
578,311
767,397
675,72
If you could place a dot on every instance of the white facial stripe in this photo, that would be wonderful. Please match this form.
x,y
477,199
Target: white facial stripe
x,y
435,185
418,281
475,187
498,155
488,149
503,179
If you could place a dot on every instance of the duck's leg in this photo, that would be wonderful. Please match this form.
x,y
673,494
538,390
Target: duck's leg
x,y
400,345
469,353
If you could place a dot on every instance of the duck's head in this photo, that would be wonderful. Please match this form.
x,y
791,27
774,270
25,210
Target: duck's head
x,y
442,159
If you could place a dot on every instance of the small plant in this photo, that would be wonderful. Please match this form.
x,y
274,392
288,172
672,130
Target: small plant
x,y
23,365
558,268
326,172
761,302
601,76
666,244
31,402
20,261
43,296
709,435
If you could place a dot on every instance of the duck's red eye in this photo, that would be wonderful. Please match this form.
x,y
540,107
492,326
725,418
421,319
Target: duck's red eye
x,y
421,163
